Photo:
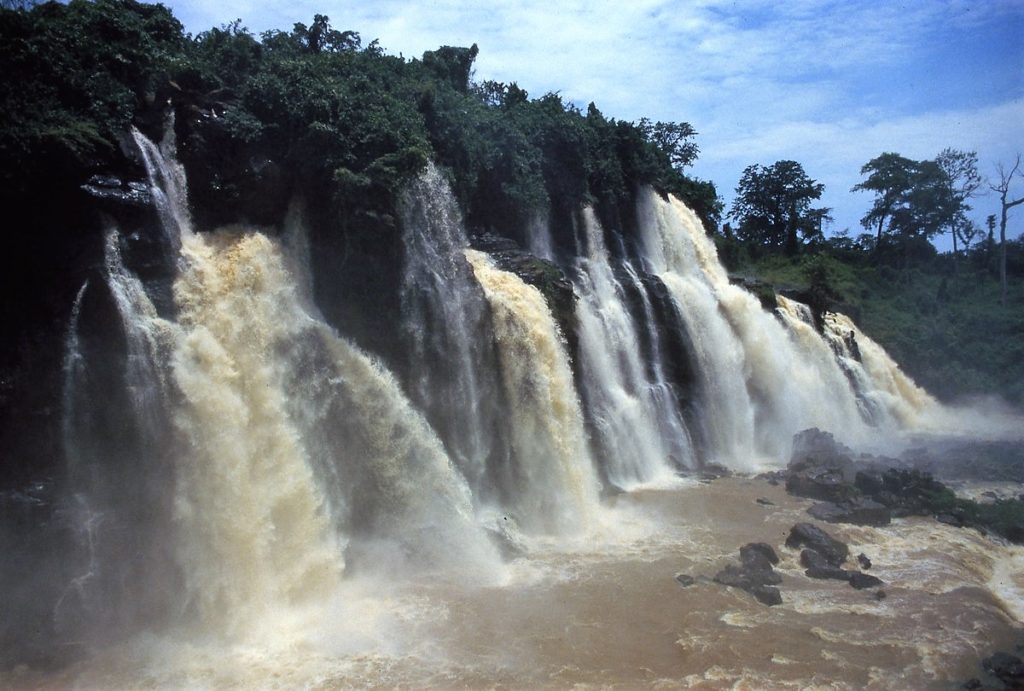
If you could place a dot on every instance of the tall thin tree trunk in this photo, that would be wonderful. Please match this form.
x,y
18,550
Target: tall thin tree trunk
x,y
1002,254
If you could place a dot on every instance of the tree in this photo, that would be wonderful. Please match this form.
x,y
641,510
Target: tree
x,y
1002,188
962,183
916,200
773,206
673,139
319,37
890,177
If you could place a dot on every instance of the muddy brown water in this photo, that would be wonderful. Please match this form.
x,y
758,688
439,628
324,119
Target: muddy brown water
x,y
607,612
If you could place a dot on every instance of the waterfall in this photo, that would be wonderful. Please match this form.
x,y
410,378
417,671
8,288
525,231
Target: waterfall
x,y
630,414
761,381
250,458
147,337
444,316
550,484
167,183
72,370
888,392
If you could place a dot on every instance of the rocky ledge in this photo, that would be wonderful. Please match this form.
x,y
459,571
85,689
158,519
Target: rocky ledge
x,y
869,490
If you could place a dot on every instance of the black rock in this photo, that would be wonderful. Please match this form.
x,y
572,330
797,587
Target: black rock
x,y
827,572
813,537
860,581
880,594
869,482
858,511
972,685
825,484
755,574
765,502
767,595
756,553
685,580
818,567
113,190
736,576
1008,668
863,560
811,559
950,519
820,468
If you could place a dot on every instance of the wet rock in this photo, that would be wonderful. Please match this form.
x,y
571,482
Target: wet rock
x,y
755,574
820,468
767,595
860,581
111,189
811,536
858,511
745,578
1008,668
685,580
819,567
863,560
950,519
758,555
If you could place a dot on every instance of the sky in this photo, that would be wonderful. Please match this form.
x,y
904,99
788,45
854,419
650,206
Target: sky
x,y
830,84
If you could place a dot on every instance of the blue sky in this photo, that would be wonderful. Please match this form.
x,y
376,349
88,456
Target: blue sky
x,y
828,84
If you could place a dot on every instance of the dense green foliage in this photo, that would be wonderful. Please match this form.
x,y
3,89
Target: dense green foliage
x,y
74,76
259,118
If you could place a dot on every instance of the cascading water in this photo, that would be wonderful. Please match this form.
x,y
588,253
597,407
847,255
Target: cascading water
x,y
761,381
295,457
550,484
444,316
167,183
888,392
629,413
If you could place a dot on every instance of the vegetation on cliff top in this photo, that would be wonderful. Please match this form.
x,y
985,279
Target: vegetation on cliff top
x,y
259,118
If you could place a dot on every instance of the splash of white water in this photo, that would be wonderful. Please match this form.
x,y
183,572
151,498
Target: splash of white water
x,y
622,401
556,489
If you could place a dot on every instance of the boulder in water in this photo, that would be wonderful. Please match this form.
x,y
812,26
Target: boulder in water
x,y
755,574
860,581
685,580
767,595
858,511
811,536
817,566
759,555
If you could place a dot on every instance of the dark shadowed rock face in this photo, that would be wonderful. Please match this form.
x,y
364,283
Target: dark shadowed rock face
x,y
858,511
545,276
814,538
1008,668
820,467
